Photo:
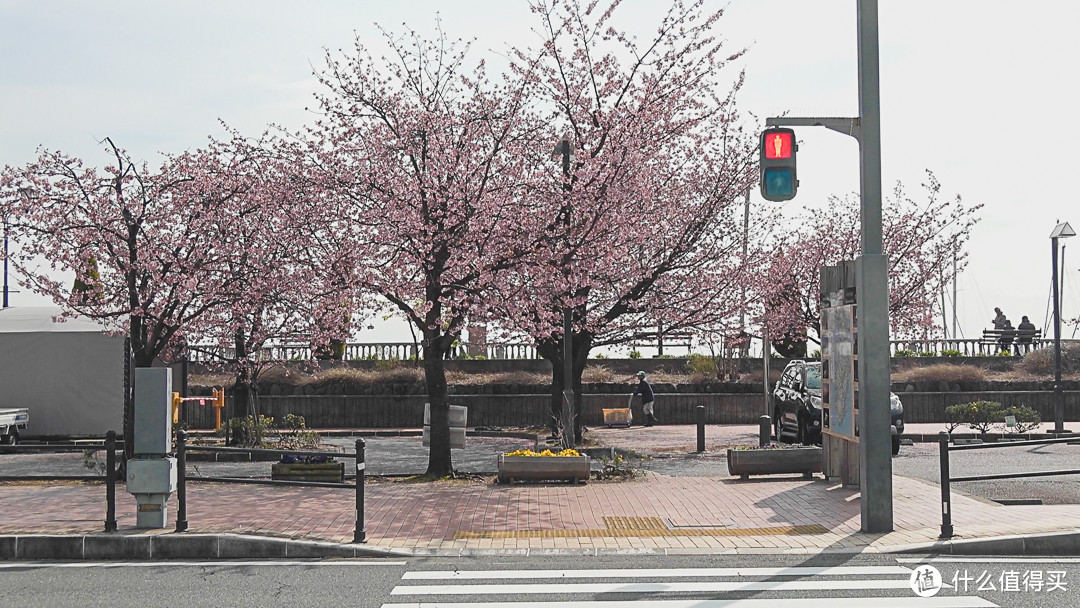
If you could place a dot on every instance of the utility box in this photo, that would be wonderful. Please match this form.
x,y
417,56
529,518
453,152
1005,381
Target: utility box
x,y
151,480
153,413
151,474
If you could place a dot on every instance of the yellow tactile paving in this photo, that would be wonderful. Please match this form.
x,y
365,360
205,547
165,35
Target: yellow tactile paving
x,y
642,532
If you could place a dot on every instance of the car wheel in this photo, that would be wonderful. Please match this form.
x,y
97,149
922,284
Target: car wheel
x,y
778,426
804,437
895,445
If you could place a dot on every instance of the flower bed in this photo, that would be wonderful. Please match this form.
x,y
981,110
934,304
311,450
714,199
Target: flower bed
x,y
546,465
774,460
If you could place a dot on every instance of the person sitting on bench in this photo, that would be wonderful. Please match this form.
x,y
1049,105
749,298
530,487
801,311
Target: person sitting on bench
x,y
1025,334
1007,334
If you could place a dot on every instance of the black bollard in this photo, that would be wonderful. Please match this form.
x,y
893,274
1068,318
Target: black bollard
x,y
700,413
360,535
764,431
946,494
110,481
181,481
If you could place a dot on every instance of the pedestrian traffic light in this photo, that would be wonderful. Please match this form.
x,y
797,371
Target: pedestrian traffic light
x,y
778,179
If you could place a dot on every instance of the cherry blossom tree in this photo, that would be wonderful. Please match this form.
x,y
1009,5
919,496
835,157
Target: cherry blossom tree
x,y
139,241
422,168
920,237
645,226
275,287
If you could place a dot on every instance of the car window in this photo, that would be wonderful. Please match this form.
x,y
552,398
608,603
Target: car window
x,y
813,377
788,379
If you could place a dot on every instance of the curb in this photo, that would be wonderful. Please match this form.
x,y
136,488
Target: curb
x,y
161,547
1050,543
175,546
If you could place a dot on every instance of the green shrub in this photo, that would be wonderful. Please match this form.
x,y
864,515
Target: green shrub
x,y
979,415
904,353
951,352
664,357
927,353
1027,419
701,366
634,354
816,354
599,356
1004,353
293,434
248,432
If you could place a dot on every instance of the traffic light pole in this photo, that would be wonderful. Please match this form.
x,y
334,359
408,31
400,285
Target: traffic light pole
x,y
871,286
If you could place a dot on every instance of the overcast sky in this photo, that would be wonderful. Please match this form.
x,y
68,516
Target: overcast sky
x,y
969,89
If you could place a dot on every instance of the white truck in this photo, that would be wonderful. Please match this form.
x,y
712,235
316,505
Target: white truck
x,y
12,421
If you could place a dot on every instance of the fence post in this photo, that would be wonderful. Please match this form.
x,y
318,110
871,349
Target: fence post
x,y
700,412
181,481
110,481
946,494
360,535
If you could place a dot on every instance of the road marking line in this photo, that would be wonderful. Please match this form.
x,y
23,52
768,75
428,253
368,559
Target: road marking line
x,y
588,588
647,572
801,602
992,560
314,562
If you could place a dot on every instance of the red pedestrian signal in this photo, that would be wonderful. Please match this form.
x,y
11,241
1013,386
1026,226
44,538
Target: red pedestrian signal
x,y
778,143
778,178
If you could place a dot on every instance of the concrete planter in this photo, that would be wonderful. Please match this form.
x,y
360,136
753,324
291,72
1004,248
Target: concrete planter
x,y
333,472
745,463
574,469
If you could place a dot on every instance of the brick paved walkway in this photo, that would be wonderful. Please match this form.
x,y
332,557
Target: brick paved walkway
x,y
687,513
707,512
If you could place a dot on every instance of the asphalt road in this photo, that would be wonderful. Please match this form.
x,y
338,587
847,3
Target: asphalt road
x,y
556,581
922,461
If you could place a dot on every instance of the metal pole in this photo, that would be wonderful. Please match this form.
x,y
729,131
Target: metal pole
x,y
872,294
765,359
764,431
360,535
700,415
5,264
110,481
181,481
569,439
1059,404
954,334
946,494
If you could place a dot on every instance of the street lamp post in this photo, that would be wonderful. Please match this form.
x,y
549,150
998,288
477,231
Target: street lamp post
x,y
1061,231
569,435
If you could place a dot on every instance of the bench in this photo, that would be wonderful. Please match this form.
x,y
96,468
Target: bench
x,y
1007,339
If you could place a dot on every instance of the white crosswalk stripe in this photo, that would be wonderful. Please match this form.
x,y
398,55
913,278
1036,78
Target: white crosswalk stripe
x,y
887,587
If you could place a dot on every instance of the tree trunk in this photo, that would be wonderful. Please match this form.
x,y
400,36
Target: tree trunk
x,y
551,350
581,344
436,346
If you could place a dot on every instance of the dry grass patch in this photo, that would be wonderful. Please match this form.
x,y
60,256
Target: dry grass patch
x,y
1041,362
941,372
515,377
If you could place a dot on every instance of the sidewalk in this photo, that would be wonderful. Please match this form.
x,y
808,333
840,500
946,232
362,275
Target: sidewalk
x,y
657,513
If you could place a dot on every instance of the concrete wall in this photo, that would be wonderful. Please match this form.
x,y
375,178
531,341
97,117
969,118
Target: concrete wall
x,y
406,411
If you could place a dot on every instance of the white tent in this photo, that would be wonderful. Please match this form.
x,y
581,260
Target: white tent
x,y
69,373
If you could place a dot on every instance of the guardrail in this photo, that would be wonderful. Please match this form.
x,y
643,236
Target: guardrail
x,y
111,446
946,493
360,532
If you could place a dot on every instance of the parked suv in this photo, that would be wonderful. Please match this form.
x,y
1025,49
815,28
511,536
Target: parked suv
x,y
797,406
